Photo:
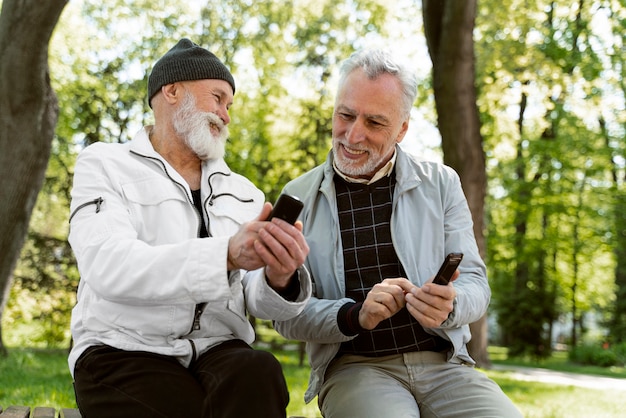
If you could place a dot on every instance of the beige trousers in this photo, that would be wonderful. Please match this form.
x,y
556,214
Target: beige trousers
x,y
411,385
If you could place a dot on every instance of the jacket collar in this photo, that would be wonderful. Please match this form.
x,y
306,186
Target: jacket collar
x,y
141,145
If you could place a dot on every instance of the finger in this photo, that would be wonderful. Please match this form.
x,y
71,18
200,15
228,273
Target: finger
x,y
295,230
447,292
395,299
421,313
265,212
401,282
289,237
392,300
424,319
278,258
428,310
394,288
274,265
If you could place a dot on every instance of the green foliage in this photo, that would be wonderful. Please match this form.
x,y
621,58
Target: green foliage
x,y
602,355
617,322
550,200
43,291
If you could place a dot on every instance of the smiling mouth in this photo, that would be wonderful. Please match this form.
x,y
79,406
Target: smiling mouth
x,y
353,152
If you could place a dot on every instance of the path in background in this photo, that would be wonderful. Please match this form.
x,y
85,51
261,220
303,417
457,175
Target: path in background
x,y
532,374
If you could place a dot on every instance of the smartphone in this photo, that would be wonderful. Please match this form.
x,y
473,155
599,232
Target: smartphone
x,y
287,208
448,268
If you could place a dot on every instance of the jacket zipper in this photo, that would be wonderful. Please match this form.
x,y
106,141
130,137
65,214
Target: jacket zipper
x,y
199,308
195,326
98,202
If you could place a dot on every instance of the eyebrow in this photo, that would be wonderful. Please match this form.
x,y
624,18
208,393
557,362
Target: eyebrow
x,y
375,117
379,118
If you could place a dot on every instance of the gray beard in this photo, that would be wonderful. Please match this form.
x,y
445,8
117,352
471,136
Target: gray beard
x,y
195,128
350,169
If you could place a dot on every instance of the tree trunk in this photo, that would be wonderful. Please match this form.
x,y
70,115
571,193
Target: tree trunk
x,y
28,116
449,25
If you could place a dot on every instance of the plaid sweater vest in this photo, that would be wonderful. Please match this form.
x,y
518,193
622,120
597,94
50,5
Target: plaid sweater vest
x,y
369,258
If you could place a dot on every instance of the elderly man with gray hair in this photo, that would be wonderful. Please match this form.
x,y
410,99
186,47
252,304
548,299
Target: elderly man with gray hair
x,y
174,249
383,340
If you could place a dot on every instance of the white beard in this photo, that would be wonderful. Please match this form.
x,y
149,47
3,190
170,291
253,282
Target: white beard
x,y
195,128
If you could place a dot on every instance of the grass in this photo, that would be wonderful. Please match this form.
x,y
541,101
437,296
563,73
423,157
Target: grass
x,y
543,400
36,377
40,377
558,361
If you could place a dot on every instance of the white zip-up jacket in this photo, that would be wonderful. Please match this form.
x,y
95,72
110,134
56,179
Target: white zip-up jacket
x,y
148,282
430,218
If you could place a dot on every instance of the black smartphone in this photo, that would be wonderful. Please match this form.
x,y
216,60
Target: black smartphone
x,y
287,208
448,268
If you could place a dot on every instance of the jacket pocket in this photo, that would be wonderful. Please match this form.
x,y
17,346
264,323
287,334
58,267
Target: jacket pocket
x,y
160,202
153,191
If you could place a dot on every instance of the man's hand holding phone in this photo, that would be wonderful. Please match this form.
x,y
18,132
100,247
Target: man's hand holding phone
x,y
447,271
281,245
431,304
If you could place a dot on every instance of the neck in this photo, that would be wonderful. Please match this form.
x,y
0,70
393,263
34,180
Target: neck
x,y
174,150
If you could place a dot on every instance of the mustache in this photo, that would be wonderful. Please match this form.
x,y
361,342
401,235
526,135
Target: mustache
x,y
215,121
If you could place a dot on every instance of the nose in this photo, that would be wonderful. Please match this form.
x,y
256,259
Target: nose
x,y
222,113
355,133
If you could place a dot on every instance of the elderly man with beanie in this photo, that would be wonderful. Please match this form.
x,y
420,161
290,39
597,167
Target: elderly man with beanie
x,y
174,249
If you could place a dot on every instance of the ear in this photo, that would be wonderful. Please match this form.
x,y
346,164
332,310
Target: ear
x,y
171,92
403,130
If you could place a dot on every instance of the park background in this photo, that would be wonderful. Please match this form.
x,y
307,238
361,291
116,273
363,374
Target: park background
x,y
525,99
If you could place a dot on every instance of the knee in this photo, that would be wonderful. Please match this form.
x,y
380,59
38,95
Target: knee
x,y
264,364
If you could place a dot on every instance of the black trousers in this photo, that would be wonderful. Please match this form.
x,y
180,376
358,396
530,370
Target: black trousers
x,y
230,380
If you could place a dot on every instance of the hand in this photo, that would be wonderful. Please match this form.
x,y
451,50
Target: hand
x,y
383,301
282,247
431,304
241,249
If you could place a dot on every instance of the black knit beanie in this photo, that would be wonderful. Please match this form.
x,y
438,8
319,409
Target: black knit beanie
x,y
186,61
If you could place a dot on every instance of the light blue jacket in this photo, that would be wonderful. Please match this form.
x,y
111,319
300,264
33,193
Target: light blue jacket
x,y
148,282
430,219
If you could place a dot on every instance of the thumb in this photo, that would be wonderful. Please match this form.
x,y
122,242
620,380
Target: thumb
x,y
265,212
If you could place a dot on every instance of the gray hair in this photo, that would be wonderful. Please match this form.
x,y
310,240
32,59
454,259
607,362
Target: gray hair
x,y
377,62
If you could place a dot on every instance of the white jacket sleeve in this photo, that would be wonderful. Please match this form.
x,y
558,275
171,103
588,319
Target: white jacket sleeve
x,y
265,303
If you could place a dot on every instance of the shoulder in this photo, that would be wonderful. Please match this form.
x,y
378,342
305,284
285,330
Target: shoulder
x,y
307,183
243,182
410,165
103,153
104,148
